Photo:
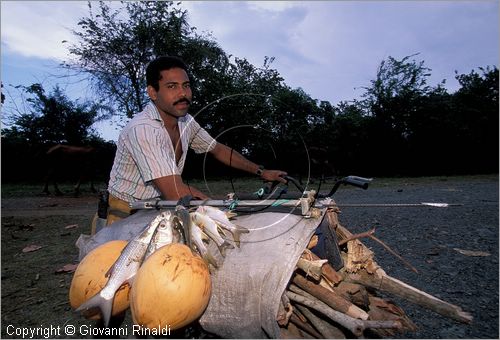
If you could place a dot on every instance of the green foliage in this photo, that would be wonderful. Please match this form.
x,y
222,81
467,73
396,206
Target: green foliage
x,y
49,119
476,117
400,126
418,129
53,118
115,45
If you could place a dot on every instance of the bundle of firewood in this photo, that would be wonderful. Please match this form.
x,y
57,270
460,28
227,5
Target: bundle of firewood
x,y
321,302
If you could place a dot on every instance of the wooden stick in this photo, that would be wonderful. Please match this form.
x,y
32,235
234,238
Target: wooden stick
x,y
340,318
295,319
311,268
284,312
299,315
346,237
313,242
413,269
332,215
355,326
332,299
356,293
358,255
326,284
381,309
291,332
327,271
327,331
356,236
383,282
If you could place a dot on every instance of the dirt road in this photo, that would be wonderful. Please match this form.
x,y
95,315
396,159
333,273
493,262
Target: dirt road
x,y
439,242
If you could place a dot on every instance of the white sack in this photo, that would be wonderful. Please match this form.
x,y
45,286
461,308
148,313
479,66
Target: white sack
x,y
247,288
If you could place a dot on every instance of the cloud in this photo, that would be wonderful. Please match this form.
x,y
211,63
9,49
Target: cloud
x,y
37,29
332,49
326,47
273,6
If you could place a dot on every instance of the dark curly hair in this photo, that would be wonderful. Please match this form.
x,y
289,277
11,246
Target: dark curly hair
x,y
153,71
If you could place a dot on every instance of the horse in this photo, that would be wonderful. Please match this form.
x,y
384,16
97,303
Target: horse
x,y
69,158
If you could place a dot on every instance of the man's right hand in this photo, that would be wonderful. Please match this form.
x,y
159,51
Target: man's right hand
x,y
173,188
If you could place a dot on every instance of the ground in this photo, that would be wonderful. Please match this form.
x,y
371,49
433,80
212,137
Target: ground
x,y
35,295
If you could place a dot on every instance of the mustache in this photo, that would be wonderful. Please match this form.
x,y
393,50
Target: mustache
x,y
183,100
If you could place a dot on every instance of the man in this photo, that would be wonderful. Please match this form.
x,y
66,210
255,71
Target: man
x,y
152,148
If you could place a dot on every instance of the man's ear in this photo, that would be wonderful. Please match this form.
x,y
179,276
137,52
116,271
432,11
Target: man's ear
x,y
152,92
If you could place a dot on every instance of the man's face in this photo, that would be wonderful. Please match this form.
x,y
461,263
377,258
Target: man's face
x,y
174,94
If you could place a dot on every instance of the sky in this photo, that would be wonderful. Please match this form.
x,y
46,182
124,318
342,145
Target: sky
x,y
330,49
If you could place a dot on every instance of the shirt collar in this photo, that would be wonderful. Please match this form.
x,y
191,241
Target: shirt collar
x,y
153,113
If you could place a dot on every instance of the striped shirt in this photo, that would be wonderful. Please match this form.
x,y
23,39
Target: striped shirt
x,y
145,152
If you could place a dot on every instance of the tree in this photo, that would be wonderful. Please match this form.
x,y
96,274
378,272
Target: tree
x,y
391,101
349,138
432,138
476,119
115,46
2,95
392,130
47,119
53,118
234,100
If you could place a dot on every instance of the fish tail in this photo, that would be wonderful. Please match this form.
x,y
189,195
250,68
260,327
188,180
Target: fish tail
x,y
225,245
97,301
210,259
205,254
236,237
237,232
242,230
230,214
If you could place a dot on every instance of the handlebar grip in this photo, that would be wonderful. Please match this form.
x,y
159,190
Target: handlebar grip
x,y
295,182
357,181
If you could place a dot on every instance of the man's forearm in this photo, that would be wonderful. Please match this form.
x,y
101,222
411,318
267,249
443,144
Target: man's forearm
x,y
173,188
234,159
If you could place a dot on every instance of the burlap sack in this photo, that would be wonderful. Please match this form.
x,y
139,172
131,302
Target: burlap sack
x,y
247,287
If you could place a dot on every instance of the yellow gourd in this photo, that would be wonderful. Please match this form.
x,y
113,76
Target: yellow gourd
x,y
89,278
171,289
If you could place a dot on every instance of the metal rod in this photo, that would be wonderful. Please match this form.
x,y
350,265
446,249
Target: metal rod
x,y
400,205
160,204
214,203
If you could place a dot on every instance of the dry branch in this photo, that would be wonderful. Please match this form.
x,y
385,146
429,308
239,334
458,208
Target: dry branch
x,y
299,315
327,330
284,313
345,298
313,242
355,293
381,281
381,309
295,319
357,236
311,268
355,326
332,299
413,269
328,272
291,332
